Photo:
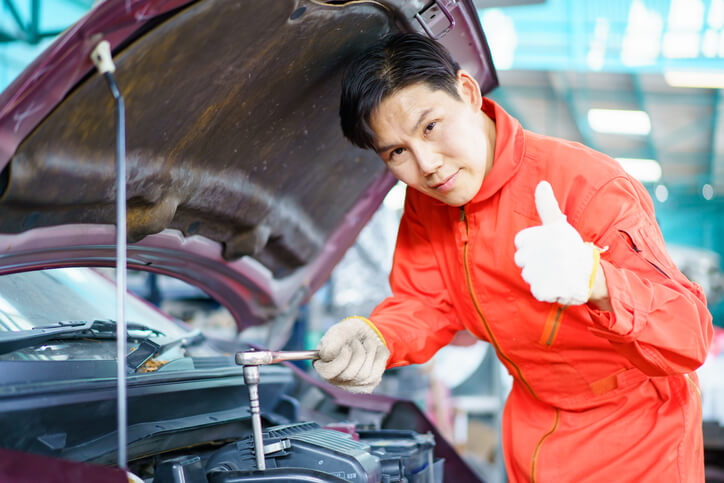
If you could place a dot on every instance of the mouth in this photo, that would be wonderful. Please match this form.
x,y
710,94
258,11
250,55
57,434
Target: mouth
x,y
447,184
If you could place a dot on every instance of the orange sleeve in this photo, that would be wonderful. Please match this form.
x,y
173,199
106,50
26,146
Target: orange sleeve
x,y
418,319
660,320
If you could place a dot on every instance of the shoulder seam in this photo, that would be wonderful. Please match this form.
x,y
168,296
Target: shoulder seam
x,y
586,201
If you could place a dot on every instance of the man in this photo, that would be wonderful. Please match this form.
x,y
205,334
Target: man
x,y
544,248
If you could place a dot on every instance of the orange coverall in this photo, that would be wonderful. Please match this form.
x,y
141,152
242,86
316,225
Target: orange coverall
x,y
597,396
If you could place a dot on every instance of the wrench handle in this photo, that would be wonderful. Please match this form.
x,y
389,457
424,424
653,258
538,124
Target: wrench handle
x,y
294,356
263,357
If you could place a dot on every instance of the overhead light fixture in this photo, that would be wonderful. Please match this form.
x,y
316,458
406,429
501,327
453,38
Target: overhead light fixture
x,y
644,170
700,80
597,53
500,32
641,43
707,191
686,15
662,193
619,121
716,14
680,45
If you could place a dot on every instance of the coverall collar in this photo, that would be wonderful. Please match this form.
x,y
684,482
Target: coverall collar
x,y
509,150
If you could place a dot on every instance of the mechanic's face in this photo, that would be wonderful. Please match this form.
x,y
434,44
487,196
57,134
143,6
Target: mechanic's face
x,y
435,143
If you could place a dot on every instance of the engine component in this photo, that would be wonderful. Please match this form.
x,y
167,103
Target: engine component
x,y
181,469
408,452
389,456
301,475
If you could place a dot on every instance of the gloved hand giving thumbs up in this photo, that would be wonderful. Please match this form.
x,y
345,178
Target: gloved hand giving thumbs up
x,y
557,264
352,355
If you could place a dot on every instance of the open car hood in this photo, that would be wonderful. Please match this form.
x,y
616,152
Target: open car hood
x,y
239,180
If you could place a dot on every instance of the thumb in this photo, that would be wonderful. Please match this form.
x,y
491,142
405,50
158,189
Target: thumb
x,y
546,204
331,344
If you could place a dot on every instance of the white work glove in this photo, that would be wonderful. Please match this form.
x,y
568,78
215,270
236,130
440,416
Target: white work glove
x,y
556,262
352,356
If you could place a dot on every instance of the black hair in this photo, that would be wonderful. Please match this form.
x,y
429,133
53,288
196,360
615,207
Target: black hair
x,y
394,62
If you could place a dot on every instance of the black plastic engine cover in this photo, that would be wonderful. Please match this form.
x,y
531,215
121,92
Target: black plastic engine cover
x,y
406,453
331,452
181,469
275,474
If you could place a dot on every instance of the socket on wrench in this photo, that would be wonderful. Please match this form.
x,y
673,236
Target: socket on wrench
x,y
251,360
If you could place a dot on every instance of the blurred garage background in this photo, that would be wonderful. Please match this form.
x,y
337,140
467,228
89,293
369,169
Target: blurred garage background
x,y
640,80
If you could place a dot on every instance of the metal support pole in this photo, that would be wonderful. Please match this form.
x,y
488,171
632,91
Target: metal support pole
x,y
101,56
121,267
34,27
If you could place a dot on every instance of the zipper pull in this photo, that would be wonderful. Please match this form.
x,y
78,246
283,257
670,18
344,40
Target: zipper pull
x,y
463,225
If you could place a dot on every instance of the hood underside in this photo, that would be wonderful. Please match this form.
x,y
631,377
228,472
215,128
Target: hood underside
x,y
232,137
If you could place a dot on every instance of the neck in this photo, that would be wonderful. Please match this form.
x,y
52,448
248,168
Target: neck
x,y
489,132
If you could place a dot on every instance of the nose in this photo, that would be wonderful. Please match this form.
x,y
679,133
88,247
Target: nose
x,y
428,162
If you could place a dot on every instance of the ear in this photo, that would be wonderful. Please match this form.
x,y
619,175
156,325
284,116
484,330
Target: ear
x,y
469,90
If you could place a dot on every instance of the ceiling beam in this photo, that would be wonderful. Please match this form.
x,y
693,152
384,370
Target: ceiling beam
x,y
597,94
14,13
563,93
500,96
689,129
716,163
6,36
641,102
33,26
30,32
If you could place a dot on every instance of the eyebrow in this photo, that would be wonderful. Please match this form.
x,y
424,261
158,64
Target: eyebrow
x,y
422,117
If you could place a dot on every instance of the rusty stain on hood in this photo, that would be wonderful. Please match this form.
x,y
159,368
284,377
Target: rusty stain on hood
x,y
232,133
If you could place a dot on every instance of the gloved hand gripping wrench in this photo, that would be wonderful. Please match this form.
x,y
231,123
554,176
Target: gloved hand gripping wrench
x,y
251,360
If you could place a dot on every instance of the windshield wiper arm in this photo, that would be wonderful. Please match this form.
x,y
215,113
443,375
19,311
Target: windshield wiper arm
x,y
14,340
148,349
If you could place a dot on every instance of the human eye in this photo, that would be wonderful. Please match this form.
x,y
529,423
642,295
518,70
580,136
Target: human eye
x,y
430,126
395,153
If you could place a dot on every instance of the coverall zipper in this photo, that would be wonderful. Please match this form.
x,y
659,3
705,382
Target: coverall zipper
x,y
493,340
540,443
468,278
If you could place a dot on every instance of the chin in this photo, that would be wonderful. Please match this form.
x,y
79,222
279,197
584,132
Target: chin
x,y
454,201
